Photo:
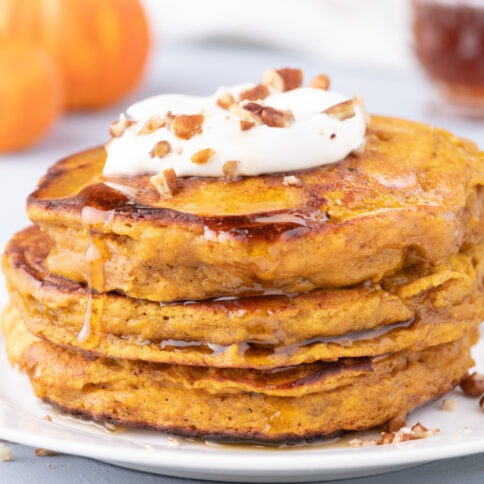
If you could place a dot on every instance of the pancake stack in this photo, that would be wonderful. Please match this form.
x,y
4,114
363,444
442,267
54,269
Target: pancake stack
x,y
256,309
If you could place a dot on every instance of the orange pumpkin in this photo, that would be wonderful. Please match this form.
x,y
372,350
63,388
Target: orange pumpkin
x,y
100,46
30,94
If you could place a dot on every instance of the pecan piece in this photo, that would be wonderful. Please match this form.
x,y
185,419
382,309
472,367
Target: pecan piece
x,y
231,170
255,93
166,182
276,118
161,149
201,157
272,117
225,100
245,124
403,435
5,453
386,438
284,79
239,111
45,453
185,126
362,442
254,108
320,82
420,431
343,110
152,124
449,405
292,180
473,385
118,128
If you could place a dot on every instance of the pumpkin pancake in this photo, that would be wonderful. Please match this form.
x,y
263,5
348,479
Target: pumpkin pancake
x,y
237,404
418,307
414,194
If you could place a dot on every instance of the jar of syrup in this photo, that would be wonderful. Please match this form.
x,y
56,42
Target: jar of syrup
x,y
449,42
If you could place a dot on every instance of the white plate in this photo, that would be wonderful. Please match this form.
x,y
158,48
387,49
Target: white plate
x,y
22,421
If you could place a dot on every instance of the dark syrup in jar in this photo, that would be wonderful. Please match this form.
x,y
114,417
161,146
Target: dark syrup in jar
x,y
449,42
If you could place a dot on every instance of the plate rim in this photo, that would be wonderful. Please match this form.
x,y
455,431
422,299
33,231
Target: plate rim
x,y
176,457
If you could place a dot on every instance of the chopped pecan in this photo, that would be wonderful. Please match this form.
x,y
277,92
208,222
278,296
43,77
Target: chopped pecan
x,y
239,111
225,100
201,157
343,110
118,128
45,453
231,170
362,442
386,438
284,79
320,82
473,385
292,180
449,405
272,117
404,434
276,118
255,93
5,453
420,431
161,149
152,124
245,124
166,182
185,126
254,108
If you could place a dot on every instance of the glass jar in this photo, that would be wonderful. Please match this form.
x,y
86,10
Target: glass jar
x,y
449,42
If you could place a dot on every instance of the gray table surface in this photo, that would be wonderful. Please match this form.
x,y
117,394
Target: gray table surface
x,y
27,468
199,69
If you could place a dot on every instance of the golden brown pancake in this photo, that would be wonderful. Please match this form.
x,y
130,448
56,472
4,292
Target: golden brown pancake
x,y
254,309
290,381
417,307
238,405
415,194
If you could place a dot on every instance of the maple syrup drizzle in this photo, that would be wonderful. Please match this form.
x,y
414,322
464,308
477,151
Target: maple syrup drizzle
x,y
249,348
95,255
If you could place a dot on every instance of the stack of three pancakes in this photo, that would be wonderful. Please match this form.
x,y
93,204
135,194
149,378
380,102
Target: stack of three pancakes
x,y
254,310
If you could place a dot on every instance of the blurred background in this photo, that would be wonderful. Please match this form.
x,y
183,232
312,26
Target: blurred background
x,y
69,67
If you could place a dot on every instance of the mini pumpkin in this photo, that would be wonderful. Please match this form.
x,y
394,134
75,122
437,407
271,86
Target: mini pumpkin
x,y
30,94
100,46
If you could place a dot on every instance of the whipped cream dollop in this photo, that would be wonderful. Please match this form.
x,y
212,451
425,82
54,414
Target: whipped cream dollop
x,y
309,137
